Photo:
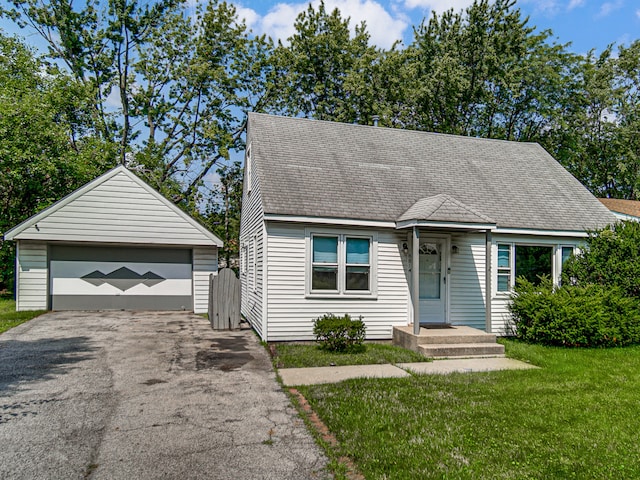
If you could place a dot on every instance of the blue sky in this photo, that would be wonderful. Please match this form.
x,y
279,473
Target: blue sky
x,y
586,24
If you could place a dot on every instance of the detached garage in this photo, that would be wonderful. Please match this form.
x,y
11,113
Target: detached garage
x,y
115,243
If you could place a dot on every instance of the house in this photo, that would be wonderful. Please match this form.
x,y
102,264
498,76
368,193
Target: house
x,y
623,209
115,243
401,227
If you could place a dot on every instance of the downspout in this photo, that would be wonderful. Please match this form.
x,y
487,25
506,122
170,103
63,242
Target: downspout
x,y
487,281
415,279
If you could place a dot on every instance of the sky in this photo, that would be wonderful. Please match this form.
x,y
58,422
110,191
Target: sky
x,y
586,24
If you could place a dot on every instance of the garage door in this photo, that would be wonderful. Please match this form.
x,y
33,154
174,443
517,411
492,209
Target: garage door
x,y
113,278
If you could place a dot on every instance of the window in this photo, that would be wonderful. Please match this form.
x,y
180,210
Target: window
x,y
325,263
340,264
528,261
249,168
566,253
254,269
244,259
504,268
534,261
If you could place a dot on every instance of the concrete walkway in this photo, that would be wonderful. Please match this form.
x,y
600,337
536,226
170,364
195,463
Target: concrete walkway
x,y
318,375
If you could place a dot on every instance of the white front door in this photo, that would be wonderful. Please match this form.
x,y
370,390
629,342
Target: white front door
x,y
433,291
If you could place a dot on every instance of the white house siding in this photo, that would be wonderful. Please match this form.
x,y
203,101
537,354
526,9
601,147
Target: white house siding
x,y
500,316
467,288
251,238
205,262
118,210
290,313
32,289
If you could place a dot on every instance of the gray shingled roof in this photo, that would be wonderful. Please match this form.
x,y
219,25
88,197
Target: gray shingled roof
x,y
443,208
327,169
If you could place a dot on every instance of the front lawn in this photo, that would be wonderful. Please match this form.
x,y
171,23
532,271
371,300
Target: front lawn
x,y
310,355
9,318
577,417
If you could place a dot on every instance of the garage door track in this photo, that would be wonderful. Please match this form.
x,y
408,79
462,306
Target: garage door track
x,y
144,395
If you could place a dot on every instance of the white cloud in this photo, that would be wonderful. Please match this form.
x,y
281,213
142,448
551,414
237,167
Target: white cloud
x,y
249,16
575,4
439,5
608,7
638,13
278,22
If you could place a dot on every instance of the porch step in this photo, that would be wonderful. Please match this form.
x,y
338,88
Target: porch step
x,y
451,342
447,350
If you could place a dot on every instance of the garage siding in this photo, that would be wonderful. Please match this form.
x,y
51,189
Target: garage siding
x,y
205,263
121,209
32,276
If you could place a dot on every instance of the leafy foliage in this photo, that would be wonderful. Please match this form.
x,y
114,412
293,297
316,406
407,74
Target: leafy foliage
x,y
574,316
611,258
339,334
48,146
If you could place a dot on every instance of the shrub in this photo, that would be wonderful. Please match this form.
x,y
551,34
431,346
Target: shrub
x,y
339,334
590,315
611,257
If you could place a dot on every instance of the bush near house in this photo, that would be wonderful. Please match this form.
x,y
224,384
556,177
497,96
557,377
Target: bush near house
x,y
339,334
576,316
598,303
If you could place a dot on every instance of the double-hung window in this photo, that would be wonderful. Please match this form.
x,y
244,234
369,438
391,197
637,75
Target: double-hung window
x,y
341,264
504,267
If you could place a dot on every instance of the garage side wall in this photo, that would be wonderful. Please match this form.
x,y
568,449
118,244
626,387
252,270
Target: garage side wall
x,y
32,276
205,263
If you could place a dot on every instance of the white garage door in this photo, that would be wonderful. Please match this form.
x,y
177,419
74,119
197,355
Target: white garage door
x,y
108,278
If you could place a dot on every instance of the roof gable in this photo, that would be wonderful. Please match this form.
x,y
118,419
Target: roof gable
x,y
443,208
336,170
117,207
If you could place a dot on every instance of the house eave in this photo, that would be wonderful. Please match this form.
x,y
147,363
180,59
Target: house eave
x,y
328,220
539,232
445,225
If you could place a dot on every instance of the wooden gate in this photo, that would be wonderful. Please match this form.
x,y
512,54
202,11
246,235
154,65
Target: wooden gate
x,y
224,300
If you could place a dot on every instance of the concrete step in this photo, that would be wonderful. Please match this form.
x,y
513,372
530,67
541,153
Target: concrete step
x,y
442,350
453,339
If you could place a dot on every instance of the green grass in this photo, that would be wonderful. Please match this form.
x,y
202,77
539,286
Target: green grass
x,y
577,417
9,318
290,356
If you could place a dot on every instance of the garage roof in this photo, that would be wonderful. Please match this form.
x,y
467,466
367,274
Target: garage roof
x,y
117,207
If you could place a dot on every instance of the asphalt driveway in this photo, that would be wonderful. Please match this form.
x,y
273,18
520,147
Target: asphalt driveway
x,y
144,395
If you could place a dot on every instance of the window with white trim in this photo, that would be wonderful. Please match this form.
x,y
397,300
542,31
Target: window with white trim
x,y
244,259
528,261
341,264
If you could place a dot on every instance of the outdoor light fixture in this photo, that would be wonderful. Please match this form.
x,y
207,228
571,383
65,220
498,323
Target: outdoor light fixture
x,y
405,248
454,249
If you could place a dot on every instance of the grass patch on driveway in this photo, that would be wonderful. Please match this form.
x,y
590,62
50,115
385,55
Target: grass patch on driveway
x,y
311,355
577,417
9,318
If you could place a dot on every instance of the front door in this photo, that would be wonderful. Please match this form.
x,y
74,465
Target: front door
x,y
433,291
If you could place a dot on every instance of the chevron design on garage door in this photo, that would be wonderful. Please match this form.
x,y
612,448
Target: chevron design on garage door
x,y
122,278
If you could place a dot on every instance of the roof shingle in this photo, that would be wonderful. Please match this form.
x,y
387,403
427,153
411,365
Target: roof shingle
x,y
337,170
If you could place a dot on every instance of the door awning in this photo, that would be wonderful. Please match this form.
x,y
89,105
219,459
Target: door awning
x,y
444,211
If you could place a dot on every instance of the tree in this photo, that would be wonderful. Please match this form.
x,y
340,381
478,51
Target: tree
x,y
483,72
182,84
48,146
222,215
324,73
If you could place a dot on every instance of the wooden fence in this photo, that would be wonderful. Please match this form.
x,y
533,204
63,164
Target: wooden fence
x,y
224,300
